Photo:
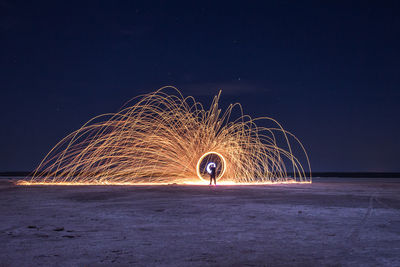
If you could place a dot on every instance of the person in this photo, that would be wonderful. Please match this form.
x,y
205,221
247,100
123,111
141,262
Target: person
x,y
212,175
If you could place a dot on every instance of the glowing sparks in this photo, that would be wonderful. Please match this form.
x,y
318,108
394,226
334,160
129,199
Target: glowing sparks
x,y
164,138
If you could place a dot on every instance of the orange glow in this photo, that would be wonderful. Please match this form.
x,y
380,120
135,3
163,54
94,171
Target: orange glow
x,y
161,140
199,183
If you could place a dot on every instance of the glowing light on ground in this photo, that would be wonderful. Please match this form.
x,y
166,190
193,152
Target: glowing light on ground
x,y
200,183
166,138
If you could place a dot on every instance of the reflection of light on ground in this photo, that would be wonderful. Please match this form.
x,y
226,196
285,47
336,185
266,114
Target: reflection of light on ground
x,y
201,183
251,183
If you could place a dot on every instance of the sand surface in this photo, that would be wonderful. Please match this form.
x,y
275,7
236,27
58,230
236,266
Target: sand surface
x,y
332,223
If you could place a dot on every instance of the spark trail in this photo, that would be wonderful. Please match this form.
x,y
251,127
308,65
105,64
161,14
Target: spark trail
x,y
163,138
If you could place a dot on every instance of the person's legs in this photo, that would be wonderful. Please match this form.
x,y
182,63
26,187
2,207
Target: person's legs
x,y
211,180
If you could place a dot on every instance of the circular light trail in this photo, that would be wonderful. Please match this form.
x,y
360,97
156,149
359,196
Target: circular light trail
x,y
209,165
222,168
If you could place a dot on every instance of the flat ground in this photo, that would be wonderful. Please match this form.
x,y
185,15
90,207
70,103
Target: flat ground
x,y
331,222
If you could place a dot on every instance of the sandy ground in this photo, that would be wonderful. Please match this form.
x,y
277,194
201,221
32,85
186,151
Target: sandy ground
x,y
331,223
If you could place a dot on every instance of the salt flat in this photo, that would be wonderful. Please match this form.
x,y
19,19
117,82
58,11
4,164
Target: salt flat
x,y
332,222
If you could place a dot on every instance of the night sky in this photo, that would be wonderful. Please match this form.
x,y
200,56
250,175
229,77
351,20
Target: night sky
x,y
329,73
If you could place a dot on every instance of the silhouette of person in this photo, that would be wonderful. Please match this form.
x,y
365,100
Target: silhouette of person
x,y
212,175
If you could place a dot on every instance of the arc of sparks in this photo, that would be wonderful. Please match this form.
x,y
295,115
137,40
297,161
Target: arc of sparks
x,y
162,139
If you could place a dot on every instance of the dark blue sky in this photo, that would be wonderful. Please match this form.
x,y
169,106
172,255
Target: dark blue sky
x,y
330,73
